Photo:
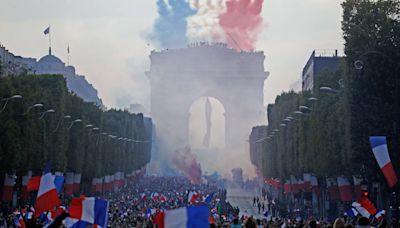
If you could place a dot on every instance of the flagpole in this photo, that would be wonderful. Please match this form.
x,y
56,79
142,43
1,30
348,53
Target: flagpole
x,y
49,40
68,55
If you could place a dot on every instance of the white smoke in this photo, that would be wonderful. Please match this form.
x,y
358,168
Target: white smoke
x,y
204,26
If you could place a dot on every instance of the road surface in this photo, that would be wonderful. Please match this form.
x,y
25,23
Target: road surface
x,y
244,200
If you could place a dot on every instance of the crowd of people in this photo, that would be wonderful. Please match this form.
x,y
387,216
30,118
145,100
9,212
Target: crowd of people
x,y
137,204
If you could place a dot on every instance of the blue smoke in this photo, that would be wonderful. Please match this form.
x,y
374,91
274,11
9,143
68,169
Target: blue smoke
x,y
170,27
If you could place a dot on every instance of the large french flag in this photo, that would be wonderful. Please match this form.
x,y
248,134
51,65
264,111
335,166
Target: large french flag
x,y
344,189
381,153
193,216
47,197
8,187
89,210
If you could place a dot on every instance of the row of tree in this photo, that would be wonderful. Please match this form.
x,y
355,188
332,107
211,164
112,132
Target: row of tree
x,y
331,139
102,143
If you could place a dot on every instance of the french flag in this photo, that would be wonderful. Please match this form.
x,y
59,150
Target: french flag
x,y
314,185
209,198
154,196
344,189
352,213
381,153
8,187
287,187
307,182
34,183
93,187
295,185
106,185
89,210
379,216
77,183
25,192
333,189
357,187
192,197
112,182
143,196
69,184
19,221
365,207
47,197
193,216
99,185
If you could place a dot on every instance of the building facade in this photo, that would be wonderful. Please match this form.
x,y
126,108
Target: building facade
x,y
49,64
318,62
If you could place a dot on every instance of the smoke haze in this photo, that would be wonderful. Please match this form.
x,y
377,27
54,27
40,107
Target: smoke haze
x,y
204,25
170,27
186,162
241,23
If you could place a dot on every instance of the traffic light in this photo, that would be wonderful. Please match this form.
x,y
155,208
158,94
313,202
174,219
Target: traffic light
x,y
365,193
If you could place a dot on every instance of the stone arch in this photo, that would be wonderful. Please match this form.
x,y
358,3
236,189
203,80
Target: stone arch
x,y
179,77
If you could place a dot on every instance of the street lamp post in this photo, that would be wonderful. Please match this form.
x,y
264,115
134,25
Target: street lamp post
x,y
328,89
6,100
44,125
73,122
61,121
37,105
45,112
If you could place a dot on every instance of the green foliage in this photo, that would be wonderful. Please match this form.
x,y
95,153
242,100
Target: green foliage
x,y
372,33
28,143
333,139
317,135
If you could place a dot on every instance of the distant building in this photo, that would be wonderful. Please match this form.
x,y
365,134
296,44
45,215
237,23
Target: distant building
x,y
258,135
14,65
49,64
237,176
138,108
318,62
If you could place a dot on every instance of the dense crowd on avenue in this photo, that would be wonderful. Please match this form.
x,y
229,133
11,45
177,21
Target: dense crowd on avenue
x,y
145,202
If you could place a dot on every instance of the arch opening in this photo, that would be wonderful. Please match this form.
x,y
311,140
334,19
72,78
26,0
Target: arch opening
x,y
207,124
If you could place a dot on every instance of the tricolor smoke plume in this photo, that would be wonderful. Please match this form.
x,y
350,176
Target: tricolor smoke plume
x,y
187,163
204,25
241,23
170,27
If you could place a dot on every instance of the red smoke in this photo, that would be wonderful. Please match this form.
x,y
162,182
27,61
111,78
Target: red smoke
x,y
241,23
186,162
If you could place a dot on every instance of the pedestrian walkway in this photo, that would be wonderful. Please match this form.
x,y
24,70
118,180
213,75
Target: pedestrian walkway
x,y
244,200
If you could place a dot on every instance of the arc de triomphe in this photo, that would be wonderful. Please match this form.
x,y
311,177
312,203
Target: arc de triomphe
x,y
179,77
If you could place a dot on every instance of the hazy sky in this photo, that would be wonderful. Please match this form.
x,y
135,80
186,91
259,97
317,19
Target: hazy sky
x,y
108,39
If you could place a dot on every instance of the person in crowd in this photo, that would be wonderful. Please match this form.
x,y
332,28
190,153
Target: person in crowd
x,y
363,222
235,223
250,223
339,223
